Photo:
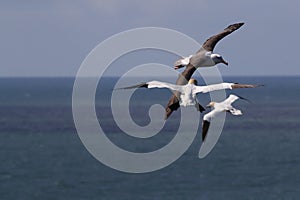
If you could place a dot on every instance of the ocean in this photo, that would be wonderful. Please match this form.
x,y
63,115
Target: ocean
x,y
42,157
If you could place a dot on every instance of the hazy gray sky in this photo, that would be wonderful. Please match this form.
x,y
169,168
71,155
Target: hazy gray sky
x,y
52,38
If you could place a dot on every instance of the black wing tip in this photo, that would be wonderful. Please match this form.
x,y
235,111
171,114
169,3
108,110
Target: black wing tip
x,y
243,98
145,85
205,127
235,26
239,24
141,85
200,108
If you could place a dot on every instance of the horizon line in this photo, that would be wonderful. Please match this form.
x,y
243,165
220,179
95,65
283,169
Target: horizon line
x,y
116,76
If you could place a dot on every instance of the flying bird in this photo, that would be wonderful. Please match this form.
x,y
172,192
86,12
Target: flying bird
x,y
224,106
187,93
204,57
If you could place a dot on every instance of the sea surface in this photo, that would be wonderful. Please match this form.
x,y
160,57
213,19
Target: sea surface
x,y
42,157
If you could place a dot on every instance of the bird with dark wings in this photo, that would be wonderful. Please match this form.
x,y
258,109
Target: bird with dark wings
x,y
204,57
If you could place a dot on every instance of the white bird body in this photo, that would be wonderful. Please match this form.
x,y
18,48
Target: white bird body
x,y
187,92
201,58
188,95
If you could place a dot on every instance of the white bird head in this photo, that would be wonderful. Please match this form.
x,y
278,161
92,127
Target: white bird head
x,y
218,59
193,81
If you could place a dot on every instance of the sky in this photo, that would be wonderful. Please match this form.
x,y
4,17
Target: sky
x,y
52,38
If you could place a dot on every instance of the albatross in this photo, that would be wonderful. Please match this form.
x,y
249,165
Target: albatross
x,y
224,106
188,92
204,57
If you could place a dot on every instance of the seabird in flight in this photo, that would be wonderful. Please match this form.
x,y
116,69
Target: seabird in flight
x,y
224,106
204,57
188,92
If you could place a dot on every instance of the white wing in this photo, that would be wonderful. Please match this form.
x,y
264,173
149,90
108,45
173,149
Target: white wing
x,y
227,104
158,84
222,86
232,98
214,87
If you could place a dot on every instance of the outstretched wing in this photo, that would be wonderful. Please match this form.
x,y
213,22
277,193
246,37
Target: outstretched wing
x,y
236,86
141,85
211,42
221,86
232,98
159,84
213,87
156,84
185,76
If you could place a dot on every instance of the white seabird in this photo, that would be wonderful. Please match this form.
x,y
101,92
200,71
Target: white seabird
x,y
224,106
187,93
204,57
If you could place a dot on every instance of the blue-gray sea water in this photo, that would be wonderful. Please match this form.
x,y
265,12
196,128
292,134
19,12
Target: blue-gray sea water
x,y
41,156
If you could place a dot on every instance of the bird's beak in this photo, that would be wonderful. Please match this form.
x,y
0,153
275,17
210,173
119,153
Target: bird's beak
x,y
226,63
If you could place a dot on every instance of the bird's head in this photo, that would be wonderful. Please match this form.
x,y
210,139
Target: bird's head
x,y
193,81
211,104
218,59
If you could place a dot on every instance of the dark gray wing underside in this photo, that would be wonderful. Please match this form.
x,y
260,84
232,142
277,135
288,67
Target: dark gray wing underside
x,y
211,42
